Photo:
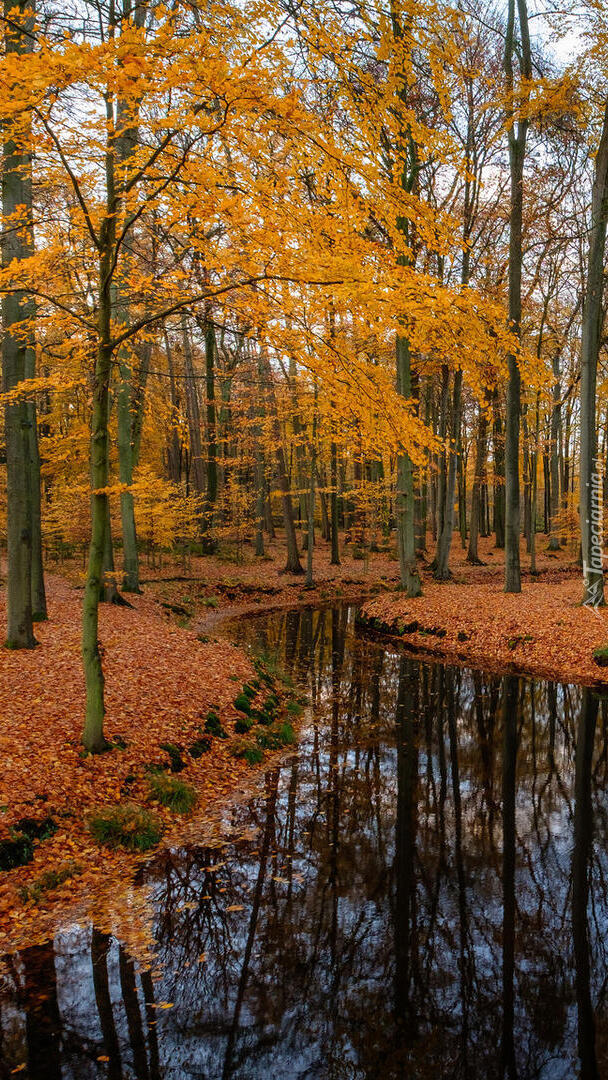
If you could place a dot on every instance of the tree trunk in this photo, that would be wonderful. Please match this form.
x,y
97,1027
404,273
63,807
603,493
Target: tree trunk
x,y
404,501
194,417
210,353
93,737
125,471
174,447
554,544
293,564
476,501
442,558
335,542
18,309
498,448
590,501
517,131
311,501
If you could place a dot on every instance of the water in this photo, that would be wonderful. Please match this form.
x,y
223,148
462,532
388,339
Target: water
x,y
410,900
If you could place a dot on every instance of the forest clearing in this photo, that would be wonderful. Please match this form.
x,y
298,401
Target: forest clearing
x,y
303,507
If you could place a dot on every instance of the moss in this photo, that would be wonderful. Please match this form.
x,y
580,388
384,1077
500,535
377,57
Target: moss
x,y
199,747
175,794
213,726
127,825
276,736
243,725
600,656
16,851
244,748
242,703
260,716
50,879
36,829
175,756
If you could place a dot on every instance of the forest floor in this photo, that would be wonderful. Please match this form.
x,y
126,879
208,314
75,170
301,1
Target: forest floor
x,y
165,671
161,683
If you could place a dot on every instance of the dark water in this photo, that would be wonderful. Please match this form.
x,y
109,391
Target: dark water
x,y
424,894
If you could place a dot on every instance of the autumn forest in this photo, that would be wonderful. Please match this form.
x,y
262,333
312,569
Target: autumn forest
x,y
303,479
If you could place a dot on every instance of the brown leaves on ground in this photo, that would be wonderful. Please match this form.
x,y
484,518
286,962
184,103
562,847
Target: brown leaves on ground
x,y
160,683
543,631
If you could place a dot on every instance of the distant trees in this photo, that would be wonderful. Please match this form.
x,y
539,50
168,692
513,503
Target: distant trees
x,y
292,280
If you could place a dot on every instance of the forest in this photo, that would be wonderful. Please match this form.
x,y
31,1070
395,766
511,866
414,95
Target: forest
x,y
303,492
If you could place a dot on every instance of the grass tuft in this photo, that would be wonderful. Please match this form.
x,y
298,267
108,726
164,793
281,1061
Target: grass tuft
x,y
213,726
243,725
276,736
126,825
244,748
175,794
199,747
175,756
242,703
49,880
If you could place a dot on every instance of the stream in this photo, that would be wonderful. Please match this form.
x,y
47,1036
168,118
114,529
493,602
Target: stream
x,y
420,891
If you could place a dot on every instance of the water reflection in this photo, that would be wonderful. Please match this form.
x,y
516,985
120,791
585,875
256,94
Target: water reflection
x,y
422,893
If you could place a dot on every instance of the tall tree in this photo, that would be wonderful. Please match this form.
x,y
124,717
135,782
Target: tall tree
x,y
590,483
517,127
18,360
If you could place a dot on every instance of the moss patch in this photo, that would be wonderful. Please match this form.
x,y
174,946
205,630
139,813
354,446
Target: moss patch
x,y
213,726
199,747
175,756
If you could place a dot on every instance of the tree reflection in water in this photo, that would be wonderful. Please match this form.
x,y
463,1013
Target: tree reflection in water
x,y
423,894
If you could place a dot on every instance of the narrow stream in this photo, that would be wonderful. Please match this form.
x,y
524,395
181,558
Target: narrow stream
x,y
422,892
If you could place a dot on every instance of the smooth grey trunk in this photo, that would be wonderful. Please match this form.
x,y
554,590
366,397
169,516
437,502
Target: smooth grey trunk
x,y
193,414
18,311
479,477
554,543
108,593
498,450
404,500
444,543
534,489
125,470
517,133
126,143
93,736
174,446
590,503
210,355
335,541
311,502
442,459
260,481
39,605
322,484
293,564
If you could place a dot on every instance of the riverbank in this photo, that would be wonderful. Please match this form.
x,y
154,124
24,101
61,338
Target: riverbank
x,y
178,710
174,690
544,631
